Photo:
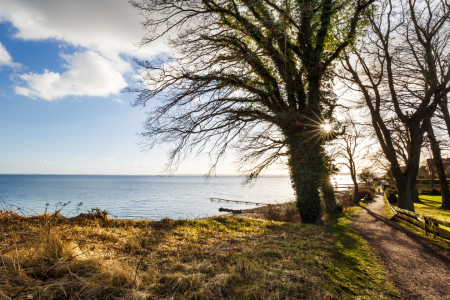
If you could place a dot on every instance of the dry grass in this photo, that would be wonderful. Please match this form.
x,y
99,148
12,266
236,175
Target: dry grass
x,y
94,257
285,212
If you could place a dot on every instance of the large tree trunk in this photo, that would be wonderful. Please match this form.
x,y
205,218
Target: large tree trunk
x,y
305,164
405,190
437,159
328,195
432,178
406,182
415,193
445,113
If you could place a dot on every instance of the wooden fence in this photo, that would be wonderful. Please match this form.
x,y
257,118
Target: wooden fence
x,y
427,225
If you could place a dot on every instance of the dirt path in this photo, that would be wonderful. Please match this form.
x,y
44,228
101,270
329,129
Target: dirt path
x,y
417,268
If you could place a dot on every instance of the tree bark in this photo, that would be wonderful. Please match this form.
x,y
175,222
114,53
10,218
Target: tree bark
x,y
305,164
415,193
355,189
443,105
405,188
437,159
328,195
432,178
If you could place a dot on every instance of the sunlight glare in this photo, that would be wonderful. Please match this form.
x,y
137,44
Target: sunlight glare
x,y
327,127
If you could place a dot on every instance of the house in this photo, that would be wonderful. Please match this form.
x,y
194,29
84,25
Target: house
x,y
445,162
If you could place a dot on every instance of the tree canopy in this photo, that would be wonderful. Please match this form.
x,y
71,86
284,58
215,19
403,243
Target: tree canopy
x,y
248,74
401,69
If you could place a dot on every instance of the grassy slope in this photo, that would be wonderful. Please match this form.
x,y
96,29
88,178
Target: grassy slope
x,y
221,258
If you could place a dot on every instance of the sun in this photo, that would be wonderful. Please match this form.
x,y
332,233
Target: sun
x,y
327,127
321,128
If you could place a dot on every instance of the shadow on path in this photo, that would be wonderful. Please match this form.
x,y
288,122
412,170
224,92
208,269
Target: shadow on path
x,y
417,268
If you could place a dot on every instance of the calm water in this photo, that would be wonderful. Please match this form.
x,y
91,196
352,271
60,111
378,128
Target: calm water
x,y
152,197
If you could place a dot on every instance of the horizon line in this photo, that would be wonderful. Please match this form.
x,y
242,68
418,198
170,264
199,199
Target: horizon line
x,y
237,175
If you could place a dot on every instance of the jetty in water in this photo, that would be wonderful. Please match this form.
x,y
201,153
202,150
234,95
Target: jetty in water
x,y
238,201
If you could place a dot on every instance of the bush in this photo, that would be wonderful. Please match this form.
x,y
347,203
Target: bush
x,y
427,181
363,192
391,195
425,192
435,192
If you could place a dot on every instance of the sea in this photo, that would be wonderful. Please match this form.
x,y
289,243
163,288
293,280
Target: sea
x,y
136,197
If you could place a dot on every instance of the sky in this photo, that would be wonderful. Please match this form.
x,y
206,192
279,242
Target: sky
x,y
63,67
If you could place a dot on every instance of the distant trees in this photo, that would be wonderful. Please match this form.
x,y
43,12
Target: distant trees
x,y
366,175
253,75
423,173
402,70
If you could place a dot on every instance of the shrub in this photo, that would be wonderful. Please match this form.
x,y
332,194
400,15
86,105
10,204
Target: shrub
x,y
435,192
363,192
391,195
425,192
427,181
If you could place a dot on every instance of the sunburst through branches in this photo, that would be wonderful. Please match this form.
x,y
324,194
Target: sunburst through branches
x,y
321,129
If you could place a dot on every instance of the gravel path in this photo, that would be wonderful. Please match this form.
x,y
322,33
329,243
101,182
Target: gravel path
x,y
416,267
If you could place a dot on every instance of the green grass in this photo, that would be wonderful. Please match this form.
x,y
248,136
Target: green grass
x,y
387,210
358,271
431,206
218,258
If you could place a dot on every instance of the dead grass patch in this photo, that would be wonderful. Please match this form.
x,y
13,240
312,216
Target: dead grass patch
x,y
285,212
92,256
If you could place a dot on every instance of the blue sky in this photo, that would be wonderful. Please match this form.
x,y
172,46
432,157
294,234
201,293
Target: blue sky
x,y
63,65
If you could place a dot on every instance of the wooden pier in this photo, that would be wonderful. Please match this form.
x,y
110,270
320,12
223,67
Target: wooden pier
x,y
238,201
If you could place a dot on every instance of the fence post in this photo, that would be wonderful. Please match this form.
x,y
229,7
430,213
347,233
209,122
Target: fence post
x,y
425,219
435,225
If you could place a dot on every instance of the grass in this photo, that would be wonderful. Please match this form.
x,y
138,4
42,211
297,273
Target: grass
x,y
94,257
387,210
431,206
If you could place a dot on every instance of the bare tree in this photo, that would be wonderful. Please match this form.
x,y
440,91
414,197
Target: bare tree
x,y
348,147
437,160
402,70
250,74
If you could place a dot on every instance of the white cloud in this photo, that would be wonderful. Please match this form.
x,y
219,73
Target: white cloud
x,y
117,100
44,162
5,58
109,27
79,158
88,74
